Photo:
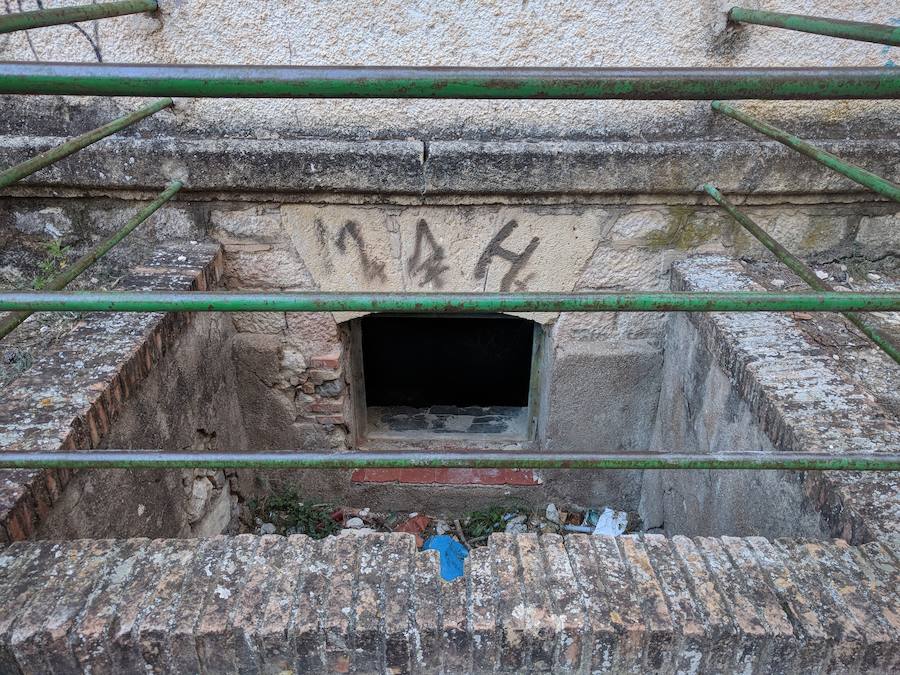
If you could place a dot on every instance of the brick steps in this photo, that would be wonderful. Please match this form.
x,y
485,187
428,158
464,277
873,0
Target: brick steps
x,y
373,604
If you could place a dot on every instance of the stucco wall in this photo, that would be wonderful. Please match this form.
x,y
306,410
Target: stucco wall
x,y
527,33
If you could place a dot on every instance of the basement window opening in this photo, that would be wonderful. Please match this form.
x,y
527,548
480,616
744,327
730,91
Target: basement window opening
x,y
446,376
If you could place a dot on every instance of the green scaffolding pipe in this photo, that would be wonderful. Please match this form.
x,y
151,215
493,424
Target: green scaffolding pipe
x,y
61,280
60,15
30,166
104,79
878,336
156,459
652,301
850,30
855,173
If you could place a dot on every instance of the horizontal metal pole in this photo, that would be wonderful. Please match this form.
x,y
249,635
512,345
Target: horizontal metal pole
x,y
855,173
850,30
155,459
104,79
61,15
30,166
651,301
885,341
61,280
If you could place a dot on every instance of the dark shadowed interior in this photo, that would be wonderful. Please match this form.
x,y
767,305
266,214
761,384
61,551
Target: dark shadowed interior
x,y
422,361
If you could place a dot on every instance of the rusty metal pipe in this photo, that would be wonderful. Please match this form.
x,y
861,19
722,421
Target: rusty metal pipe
x,y
855,173
30,166
849,30
158,459
441,303
61,280
103,79
62,15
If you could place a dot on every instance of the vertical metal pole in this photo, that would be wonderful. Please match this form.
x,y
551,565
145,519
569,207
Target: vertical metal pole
x,y
62,15
30,166
850,30
879,337
61,280
855,173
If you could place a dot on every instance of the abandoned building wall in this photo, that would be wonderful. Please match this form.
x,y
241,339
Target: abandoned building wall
x,y
422,195
292,368
470,33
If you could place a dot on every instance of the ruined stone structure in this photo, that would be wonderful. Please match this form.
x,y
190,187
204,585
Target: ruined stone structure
x,y
117,571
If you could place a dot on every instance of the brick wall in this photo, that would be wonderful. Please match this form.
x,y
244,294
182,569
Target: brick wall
x,y
73,394
371,603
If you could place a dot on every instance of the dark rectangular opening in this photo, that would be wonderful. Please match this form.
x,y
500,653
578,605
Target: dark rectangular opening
x,y
442,376
452,361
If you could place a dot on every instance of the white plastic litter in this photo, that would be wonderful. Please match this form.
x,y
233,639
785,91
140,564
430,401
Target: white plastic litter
x,y
611,522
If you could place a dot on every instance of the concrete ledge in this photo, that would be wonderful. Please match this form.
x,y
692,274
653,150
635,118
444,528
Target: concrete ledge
x,y
71,395
463,167
371,603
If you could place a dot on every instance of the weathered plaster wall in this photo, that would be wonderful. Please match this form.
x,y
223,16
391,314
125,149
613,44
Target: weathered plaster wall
x,y
531,33
700,409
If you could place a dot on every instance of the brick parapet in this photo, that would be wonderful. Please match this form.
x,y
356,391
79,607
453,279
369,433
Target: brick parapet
x,y
73,392
372,603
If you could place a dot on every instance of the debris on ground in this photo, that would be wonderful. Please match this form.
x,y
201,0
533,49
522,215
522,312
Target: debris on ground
x,y
607,522
415,526
515,524
453,555
552,514
288,513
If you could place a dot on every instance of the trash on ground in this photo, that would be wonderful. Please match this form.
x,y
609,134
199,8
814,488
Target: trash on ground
x,y
415,526
611,522
286,513
453,555
552,514
517,525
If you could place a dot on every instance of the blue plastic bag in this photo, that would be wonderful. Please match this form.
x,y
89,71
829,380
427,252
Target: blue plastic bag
x,y
452,555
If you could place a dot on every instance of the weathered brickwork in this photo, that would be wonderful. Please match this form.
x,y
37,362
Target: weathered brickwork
x,y
71,395
372,603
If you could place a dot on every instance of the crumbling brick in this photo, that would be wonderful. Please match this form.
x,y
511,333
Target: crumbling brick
x,y
373,603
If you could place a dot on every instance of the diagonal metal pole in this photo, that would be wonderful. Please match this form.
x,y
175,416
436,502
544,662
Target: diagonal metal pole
x,y
443,303
850,30
30,166
855,173
159,459
61,280
887,343
61,15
